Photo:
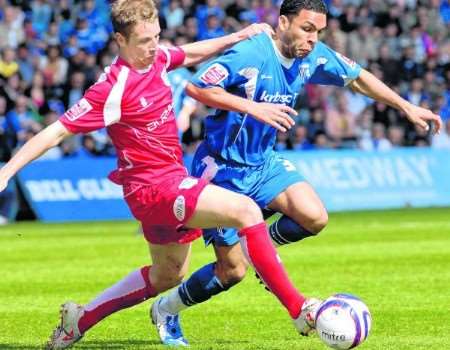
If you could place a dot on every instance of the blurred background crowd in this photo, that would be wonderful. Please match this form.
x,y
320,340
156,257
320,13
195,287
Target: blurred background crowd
x,y
52,50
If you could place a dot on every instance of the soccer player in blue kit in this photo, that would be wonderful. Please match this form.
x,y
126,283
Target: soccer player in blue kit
x,y
254,86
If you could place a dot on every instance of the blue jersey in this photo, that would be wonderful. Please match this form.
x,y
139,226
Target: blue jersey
x,y
254,69
178,79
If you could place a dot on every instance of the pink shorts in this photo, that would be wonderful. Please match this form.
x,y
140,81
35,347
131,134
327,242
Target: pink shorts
x,y
164,209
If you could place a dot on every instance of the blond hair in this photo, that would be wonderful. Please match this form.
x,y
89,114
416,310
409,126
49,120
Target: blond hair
x,y
126,13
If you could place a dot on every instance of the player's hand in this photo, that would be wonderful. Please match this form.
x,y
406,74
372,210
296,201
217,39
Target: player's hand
x,y
421,116
277,115
255,29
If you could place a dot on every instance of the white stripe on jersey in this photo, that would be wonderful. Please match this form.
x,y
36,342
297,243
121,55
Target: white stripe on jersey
x,y
251,74
112,111
165,49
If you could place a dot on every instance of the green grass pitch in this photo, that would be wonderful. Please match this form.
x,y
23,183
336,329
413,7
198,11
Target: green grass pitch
x,y
397,261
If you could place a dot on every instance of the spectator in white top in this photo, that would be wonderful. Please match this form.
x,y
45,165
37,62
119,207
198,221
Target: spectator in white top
x,y
11,28
378,142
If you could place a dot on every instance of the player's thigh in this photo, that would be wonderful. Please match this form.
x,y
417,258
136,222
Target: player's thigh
x,y
170,263
300,202
217,206
277,175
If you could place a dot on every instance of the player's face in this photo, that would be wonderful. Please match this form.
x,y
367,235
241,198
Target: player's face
x,y
142,43
299,34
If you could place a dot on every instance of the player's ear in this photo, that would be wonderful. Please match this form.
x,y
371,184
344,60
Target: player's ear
x,y
283,22
120,39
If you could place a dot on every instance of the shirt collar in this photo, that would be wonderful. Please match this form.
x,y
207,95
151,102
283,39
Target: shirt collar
x,y
286,62
121,62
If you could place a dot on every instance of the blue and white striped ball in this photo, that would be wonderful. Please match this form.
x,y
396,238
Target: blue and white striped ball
x,y
343,321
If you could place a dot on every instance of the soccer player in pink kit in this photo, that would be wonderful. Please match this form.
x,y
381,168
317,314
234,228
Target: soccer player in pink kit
x,y
133,100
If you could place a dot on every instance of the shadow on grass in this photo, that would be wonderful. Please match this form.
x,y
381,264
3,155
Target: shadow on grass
x,y
105,344
118,344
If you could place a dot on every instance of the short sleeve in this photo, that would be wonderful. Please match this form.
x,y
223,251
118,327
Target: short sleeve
x,y
101,105
87,114
228,69
175,56
333,68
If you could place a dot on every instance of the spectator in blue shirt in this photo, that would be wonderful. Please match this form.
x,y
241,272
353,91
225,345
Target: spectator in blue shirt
x,y
445,11
213,30
211,8
41,14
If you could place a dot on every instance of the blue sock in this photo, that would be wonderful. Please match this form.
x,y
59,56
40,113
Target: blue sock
x,y
267,213
201,286
285,231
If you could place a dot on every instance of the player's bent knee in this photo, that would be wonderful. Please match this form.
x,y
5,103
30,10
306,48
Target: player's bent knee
x,y
231,274
318,223
247,212
235,275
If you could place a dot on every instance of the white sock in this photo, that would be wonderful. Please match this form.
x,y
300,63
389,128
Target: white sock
x,y
172,303
122,290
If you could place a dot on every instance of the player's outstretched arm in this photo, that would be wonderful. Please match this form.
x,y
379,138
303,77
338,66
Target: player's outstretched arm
x,y
51,136
202,50
371,86
276,115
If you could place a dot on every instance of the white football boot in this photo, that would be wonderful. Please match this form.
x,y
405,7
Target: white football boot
x,y
67,333
305,323
167,326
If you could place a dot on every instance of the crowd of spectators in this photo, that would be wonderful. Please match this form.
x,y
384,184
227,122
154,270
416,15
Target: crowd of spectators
x,y
52,50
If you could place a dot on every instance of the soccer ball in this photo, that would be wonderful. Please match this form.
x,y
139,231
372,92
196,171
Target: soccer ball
x,y
343,321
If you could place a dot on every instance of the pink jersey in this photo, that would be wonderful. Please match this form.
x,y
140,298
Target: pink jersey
x,y
136,108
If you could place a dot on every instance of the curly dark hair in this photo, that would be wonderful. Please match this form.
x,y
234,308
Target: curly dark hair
x,y
293,7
